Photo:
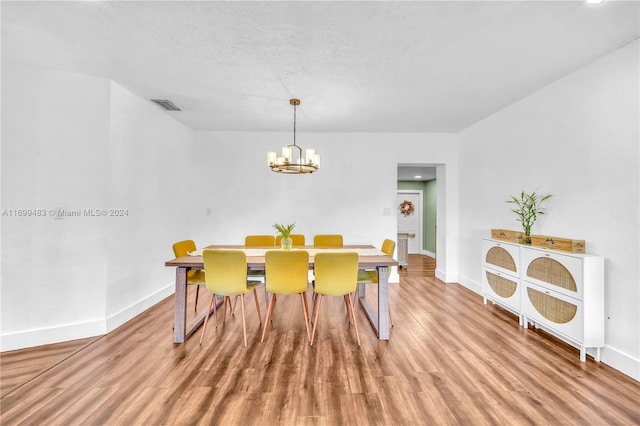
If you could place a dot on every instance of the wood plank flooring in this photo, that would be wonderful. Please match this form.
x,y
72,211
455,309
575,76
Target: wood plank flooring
x,y
419,266
451,360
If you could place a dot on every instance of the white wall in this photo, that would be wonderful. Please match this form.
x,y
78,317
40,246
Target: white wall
x,y
578,140
76,142
349,195
148,171
55,134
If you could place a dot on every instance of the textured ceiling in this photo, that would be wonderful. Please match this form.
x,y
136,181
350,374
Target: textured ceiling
x,y
357,66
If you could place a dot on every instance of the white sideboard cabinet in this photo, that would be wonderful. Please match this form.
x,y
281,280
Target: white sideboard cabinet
x,y
562,293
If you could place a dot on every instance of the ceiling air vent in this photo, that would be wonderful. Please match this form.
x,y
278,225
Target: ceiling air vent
x,y
166,104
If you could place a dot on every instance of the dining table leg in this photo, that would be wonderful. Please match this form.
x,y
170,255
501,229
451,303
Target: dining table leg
x,y
362,292
379,320
383,303
180,318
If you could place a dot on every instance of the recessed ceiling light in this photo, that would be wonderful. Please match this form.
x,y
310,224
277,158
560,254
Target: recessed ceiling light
x,y
417,177
594,1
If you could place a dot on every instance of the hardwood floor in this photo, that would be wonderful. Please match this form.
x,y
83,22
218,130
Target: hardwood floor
x,y
419,266
451,360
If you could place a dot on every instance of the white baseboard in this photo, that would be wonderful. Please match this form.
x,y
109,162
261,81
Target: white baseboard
x,y
45,336
472,285
428,253
622,362
447,278
81,330
116,320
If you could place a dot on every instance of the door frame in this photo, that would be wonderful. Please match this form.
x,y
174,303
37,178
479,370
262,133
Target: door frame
x,y
420,234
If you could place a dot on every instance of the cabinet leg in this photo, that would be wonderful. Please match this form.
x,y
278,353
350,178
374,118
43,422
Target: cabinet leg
x,y
598,354
583,354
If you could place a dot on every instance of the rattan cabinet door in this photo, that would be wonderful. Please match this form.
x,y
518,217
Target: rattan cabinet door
x,y
558,312
501,256
501,288
558,272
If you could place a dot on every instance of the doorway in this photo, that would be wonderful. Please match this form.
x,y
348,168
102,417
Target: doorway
x,y
431,178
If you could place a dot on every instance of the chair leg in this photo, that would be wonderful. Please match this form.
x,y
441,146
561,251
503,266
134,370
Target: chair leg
x,y
255,297
346,305
315,319
266,320
315,306
224,308
195,307
356,302
353,317
275,300
305,313
215,312
206,318
244,323
304,300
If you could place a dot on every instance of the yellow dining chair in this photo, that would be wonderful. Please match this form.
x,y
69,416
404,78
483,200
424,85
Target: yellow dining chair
x,y
336,275
226,275
287,273
327,240
296,239
194,276
259,241
371,276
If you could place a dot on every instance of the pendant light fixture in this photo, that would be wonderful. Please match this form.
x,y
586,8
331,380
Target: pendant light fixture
x,y
292,161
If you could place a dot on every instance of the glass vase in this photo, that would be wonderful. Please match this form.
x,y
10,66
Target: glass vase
x,y
286,243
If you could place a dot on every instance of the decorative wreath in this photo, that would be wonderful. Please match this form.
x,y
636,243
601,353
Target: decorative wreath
x,y
406,208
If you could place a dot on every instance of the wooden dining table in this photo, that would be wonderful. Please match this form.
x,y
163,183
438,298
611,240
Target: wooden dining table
x,y
369,258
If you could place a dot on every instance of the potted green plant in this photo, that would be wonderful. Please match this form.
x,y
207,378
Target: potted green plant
x,y
285,231
528,207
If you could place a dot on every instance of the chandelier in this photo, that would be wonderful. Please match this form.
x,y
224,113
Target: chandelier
x,y
292,161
